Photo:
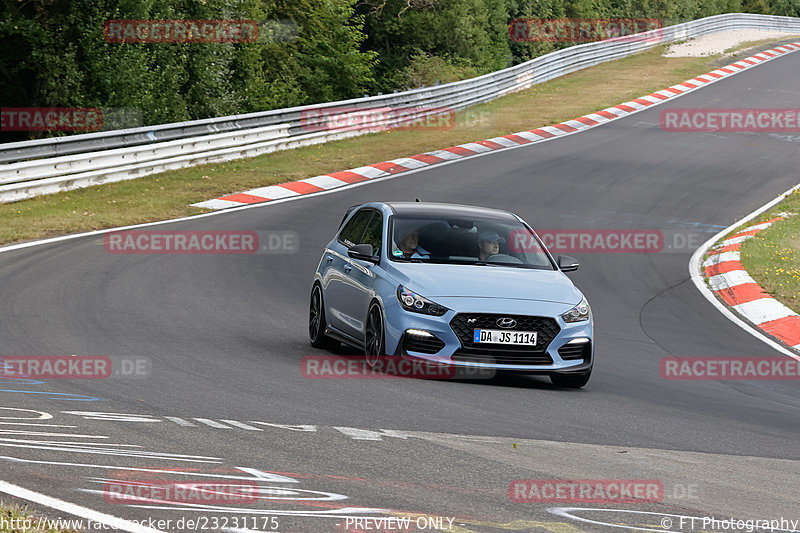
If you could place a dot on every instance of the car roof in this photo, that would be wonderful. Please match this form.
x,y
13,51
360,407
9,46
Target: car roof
x,y
448,210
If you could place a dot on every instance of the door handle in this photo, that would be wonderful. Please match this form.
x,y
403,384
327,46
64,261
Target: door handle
x,y
329,259
347,269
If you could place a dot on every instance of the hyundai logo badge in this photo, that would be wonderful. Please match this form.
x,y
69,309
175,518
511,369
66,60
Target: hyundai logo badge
x,y
506,322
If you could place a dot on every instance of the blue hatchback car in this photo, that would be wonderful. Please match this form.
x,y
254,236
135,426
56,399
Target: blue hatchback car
x,y
452,284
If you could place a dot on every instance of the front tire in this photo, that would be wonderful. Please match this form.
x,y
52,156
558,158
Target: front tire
x,y
374,337
317,322
570,381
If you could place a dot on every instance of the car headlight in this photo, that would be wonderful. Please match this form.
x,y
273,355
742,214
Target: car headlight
x,y
579,313
413,302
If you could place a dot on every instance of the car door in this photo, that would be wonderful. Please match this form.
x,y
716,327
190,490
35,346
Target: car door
x,y
363,277
340,283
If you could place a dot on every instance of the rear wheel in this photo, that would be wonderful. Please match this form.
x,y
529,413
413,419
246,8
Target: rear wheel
x,y
570,381
374,339
317,322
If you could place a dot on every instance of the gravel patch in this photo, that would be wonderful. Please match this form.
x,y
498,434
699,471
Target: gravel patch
x,y
717,43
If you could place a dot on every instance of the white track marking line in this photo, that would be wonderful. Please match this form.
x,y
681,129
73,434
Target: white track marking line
x,y
444,154
105,467
733,240
69,443
558,132
475,147
212,423
597,118
75,510
31,424
729,279
665,93
218,204
508,143
408,162
367,172
762,226
42,414
636,105
722,258
101,451
763,310
338,513
181,422
45,434
272,192
242,425
325,182
366,434
529,135
577,124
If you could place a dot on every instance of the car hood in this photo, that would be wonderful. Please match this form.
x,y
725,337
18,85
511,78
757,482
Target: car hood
x,y
474,281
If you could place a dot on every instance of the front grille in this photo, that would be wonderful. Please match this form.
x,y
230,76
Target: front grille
x,y
575,351
547,329
426,345
501,357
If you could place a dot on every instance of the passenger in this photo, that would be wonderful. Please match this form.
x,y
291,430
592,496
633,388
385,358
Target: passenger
x,y
408,244
489,244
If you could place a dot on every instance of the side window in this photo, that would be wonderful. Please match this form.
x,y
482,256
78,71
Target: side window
x,y
352,232
374,233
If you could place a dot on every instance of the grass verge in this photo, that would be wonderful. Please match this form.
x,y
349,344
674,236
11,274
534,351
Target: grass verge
x,y
772,256
15,519
169,195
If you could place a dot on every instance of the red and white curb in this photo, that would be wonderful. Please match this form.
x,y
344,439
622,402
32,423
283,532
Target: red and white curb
x,y
730,281
386,168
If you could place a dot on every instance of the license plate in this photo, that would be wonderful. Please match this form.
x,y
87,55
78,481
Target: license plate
x,y
498,336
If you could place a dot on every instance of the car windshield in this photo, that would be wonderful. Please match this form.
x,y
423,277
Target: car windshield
x,y
472,241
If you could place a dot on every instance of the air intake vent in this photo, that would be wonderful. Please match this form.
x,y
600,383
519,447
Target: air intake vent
x,y
421,344
569,352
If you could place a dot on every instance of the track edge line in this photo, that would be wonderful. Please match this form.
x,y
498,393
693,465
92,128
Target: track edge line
x,y
698,278
74,509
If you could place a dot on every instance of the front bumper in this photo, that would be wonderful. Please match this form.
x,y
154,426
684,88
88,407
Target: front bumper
x,y
559,356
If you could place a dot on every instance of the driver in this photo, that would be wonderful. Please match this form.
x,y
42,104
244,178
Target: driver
x,y
408,244
489,244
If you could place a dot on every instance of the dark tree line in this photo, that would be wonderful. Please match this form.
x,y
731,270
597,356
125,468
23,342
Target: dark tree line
x,y
53,52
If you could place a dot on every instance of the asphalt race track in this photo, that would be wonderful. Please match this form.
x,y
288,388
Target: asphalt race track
x,y
224,336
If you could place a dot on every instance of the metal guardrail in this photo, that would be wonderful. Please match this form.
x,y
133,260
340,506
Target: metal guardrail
x,y
43,166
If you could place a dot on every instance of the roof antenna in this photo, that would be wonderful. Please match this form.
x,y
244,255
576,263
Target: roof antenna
x,y
418,200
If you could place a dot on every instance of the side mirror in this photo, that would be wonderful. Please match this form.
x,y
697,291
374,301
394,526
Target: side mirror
x,y
362,252
567,263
